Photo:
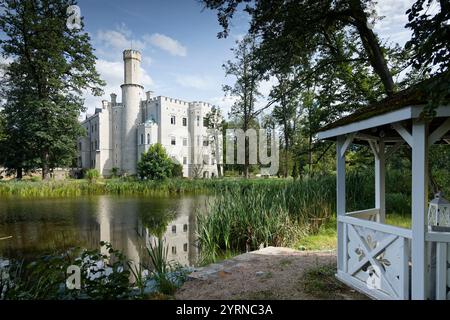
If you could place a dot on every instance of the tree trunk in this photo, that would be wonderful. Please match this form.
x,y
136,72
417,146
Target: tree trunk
x,y
19,173
372,47
45,167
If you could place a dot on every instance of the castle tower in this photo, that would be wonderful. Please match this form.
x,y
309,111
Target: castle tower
x,y
132,92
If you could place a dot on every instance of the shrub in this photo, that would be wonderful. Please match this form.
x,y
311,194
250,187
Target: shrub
x,y
177,170
114,172
92,175
155,164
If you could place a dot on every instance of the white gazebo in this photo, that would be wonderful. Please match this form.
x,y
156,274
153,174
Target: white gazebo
x,y
380,260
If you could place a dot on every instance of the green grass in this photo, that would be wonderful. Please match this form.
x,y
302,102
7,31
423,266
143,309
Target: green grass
x,y
326,238
320,282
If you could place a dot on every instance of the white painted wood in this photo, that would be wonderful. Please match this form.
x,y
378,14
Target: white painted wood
x,y
374,146
380,181
369,214
442,111
373,122
361,286
402,232
434,236
419,205
348,141
403,133
345,248
439,132
405,266
441,271
340,198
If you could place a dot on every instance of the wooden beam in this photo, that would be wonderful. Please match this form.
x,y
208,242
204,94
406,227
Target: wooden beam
x,y
374,147
439,132
368,137
418,205
403,133
340,200
347,143
380,181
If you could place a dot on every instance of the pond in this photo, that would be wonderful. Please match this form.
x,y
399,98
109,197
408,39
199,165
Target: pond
x,y
33,227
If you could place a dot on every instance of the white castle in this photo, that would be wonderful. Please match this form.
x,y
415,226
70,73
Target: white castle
x,y
118,133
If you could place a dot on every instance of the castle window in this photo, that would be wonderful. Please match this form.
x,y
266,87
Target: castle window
x,y
148,138
174,250
184,122
198,121
185,142
142,139
205,122
172,120
185,247
185,228
79,145
173,141
174,229
205,141
96,145
92,128
184,160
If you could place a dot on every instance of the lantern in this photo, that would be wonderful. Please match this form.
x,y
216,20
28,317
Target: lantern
x,y
439,214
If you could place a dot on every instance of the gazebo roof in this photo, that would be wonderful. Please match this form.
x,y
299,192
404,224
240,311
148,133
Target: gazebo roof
x,y
404,105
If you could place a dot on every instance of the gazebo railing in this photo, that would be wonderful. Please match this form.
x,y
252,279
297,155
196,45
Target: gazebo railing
x,y
369,214
440,264
376,256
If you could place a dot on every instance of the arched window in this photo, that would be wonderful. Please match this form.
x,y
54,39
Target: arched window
x,y
148,138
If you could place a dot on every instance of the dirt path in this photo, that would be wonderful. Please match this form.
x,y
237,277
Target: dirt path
x,y
269,273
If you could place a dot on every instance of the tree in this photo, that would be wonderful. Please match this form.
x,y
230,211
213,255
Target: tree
x,y
285,113
215,124
51,66
292,31
430,44
245,88
155,164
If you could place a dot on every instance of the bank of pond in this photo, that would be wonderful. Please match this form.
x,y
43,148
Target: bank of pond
x,y
183,223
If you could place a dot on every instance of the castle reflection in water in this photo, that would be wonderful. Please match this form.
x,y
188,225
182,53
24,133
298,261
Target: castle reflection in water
x,y
130,224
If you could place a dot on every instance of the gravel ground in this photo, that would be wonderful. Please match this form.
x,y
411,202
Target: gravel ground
x,y
269,273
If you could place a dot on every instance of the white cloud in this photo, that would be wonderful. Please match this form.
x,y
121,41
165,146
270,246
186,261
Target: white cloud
x,y
224,103
167,44
394,19
194,81
118,40
112,73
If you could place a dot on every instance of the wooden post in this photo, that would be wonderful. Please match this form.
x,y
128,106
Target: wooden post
x,y
419,205
340,200
380,184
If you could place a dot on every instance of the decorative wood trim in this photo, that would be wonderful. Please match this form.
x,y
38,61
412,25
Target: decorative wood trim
x,y
439,132
348,141
361,287
398,231
403,133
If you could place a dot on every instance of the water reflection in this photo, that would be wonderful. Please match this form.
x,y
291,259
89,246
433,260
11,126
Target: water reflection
x,y
129,224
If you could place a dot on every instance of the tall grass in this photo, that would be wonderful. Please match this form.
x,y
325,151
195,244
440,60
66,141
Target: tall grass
x,y
279,213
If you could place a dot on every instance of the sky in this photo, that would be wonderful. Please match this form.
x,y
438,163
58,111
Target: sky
x,y
181,54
